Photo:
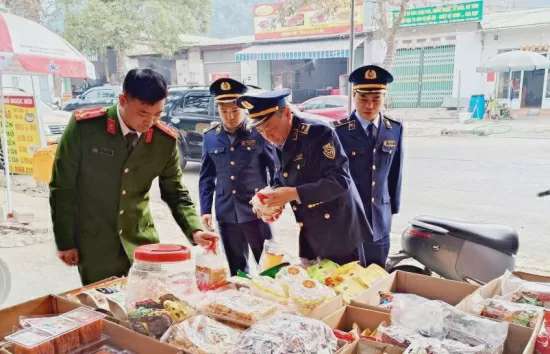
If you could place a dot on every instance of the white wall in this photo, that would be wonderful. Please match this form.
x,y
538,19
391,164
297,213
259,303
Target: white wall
x,y
468,52
249,72
196,67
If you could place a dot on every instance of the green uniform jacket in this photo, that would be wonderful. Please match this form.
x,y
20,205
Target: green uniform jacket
x,y
99,192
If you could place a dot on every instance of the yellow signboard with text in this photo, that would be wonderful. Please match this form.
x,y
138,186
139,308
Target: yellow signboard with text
x,y
311,20
23,132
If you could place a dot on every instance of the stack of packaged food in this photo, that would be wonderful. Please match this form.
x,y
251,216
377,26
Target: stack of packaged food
x,y
448,330
79,330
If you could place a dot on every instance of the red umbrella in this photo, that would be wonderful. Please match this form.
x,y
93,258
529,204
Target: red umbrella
x,y
36,50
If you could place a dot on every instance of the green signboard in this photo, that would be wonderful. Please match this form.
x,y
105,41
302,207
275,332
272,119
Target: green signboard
x,y
435,15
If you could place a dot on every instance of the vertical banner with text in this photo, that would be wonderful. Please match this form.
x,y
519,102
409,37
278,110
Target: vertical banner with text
x,y
23,132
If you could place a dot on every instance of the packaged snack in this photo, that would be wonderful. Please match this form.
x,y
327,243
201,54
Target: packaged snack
x,y
212,269
272,255
308,294
286,333
542,344
322,270
292,273
387,298
346,271
66,332
525,292
349,289
267,214
516,313
153,318
31,341
269,288
238,307
367,276
447,322
90,323
202,335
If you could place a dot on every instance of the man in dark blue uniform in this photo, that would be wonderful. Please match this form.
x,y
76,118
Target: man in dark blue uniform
x,y
313,176
236,163
373,144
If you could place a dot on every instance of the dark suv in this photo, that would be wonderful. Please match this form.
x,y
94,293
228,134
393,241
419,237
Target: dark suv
x,y
190,110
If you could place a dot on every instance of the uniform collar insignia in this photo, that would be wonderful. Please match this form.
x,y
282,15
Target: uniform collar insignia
x,y
111,126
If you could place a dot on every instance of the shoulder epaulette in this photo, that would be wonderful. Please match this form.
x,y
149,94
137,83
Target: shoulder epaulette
x,y
89,113
212,127
171,132
342,122
304,128
392,119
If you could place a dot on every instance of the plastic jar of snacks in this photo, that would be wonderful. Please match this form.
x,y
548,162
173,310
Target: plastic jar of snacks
x,y
160,270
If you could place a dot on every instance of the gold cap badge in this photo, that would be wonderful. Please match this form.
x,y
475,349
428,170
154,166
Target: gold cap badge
x,y
226,86
370,74
247,105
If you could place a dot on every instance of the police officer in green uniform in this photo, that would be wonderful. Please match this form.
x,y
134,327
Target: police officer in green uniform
x,y
103,170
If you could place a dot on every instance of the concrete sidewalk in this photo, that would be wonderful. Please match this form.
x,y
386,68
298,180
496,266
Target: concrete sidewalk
x,y
437,122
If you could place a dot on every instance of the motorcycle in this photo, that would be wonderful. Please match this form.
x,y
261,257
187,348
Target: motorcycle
x,y
456,250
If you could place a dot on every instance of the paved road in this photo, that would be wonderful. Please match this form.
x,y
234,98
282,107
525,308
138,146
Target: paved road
x,y
487,179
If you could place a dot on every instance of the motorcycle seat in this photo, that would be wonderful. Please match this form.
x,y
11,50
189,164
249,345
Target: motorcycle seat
x,y
499,237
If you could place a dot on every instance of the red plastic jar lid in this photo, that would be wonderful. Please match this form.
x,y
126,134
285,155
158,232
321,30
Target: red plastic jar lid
x,y
160,253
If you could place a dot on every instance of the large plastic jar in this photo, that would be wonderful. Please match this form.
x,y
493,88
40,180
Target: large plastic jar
x,y
159,270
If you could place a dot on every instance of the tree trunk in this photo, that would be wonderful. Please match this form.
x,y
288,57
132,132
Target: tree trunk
x,y
392,32
120,65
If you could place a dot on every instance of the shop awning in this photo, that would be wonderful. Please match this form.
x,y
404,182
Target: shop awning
x,y
325,49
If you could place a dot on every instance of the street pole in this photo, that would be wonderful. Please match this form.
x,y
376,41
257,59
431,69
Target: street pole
x,y
351,45
9,211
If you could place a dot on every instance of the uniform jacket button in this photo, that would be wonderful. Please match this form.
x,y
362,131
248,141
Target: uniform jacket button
x,y
285,174
327,216
123,192
372,200
232,148
121,212
294,208
232,163
126,170
374,167
234,191
232,178
301,224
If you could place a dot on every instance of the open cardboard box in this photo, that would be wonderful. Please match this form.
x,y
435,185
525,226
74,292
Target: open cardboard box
x,y
120,336
493,288
449,291
343,319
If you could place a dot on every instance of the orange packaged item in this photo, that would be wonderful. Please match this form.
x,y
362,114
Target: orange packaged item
x,y
211,268
90,323
542,345
31,341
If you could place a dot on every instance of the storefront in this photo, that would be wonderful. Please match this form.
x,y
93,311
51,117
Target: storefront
x,y
307,52
438,49
524,30
309,67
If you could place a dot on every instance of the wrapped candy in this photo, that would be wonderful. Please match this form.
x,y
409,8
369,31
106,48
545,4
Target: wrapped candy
x,y
308,294
525,292
322,270
269,288
516,313
272,255
286,333
238,307
211,268
202,335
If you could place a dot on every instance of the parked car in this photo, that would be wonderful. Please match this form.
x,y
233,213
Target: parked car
x,y
100,96
333,107
190,110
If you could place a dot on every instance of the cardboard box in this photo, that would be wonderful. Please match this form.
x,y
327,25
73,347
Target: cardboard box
x,y
449,291
492,289
120,336
516,343
327,308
